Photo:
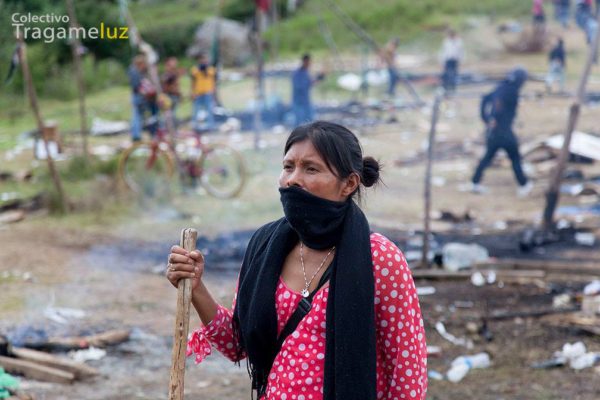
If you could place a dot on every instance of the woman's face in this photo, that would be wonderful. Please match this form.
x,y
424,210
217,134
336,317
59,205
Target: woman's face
x,y
304,167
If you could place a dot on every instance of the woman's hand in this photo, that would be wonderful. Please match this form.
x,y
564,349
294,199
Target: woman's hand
x,y
185,264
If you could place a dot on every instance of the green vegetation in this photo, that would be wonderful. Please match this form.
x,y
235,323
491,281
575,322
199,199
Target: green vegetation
x,y
382,20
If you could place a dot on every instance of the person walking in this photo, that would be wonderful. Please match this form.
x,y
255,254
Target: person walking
x,y
324,309
498,111
203,78
561,12
537,12
302,83
451,55
557,62
388,56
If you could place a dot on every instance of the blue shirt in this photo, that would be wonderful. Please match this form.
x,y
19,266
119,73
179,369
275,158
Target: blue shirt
x,y
135,78
301,84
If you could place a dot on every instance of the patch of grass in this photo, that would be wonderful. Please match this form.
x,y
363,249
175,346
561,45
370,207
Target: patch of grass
x,y
381,20
155,13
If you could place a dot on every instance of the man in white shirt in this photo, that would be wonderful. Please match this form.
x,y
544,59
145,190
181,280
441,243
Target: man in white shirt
x,y
451,55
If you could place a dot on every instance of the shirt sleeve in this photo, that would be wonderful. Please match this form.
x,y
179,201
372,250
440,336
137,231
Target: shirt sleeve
x,y
401,348
218,333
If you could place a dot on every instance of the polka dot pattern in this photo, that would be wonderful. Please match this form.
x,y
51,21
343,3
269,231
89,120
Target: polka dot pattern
x,y
298,369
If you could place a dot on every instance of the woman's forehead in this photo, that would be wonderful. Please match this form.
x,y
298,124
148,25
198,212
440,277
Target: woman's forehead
x,y
303,149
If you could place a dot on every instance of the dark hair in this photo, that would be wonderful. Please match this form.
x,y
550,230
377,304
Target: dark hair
x,y
340,149
305,57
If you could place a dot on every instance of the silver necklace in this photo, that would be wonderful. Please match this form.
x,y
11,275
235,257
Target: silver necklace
x,y
307,283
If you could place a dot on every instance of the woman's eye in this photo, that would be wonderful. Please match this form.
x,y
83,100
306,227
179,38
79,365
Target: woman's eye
x,y
311,169
287,167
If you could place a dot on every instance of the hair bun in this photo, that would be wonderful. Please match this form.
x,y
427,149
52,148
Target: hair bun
x,y
370,173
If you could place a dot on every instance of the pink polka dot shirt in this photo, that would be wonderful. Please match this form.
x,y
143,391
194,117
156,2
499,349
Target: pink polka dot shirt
x,y
297,372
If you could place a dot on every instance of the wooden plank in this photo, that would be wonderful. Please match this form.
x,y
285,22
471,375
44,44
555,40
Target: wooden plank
x,y
499,315
82,342
549,265
466,274
440,274
80,370
35,371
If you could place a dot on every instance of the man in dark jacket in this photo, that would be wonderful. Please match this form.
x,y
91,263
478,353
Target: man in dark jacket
x,y
498,111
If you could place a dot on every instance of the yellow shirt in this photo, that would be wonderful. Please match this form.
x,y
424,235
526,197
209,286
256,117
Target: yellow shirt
x,y
203,83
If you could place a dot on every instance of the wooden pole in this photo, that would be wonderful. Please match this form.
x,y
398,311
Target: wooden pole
x,y
40,122
427,190
553,193
259,89
75,47
182,321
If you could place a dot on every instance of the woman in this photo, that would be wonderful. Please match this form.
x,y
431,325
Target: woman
x,y
363,336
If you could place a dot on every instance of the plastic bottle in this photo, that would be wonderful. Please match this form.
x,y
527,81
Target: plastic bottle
x,y
461,365
585,361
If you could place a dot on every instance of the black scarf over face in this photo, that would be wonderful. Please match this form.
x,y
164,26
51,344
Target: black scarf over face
x,y
350,319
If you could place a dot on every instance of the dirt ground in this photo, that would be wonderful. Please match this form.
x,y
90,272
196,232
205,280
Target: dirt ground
x,y
113,271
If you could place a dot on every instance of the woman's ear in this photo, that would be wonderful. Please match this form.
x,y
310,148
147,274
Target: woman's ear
x,y
351,184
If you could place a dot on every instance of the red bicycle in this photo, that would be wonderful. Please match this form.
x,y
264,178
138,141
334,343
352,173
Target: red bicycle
x,y
217,167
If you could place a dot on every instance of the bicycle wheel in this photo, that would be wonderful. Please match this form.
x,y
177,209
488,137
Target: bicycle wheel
x,y
145,167
223,173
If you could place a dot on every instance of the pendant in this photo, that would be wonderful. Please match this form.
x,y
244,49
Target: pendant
x,y
304,292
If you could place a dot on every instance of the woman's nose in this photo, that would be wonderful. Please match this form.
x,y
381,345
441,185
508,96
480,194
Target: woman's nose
x,y
293,179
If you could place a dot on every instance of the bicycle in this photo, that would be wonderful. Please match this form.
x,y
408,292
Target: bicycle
x,y
218,168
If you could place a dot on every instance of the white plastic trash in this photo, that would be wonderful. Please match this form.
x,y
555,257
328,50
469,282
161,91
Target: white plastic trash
x,y
461,365
585,361
457,256
571,350
592,288
477,279
351,82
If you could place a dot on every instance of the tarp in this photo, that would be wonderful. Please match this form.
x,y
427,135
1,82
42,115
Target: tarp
x,y
582,144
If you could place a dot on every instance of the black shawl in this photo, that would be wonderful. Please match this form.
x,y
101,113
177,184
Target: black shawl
x,y
350,318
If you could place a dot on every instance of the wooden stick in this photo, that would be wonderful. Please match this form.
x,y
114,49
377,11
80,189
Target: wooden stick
x,y
35,371
80,370
553,193
31,94
259,89
182,321
427,190
83,342
75,47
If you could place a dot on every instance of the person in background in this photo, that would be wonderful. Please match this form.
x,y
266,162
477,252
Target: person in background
x,y
498,111
143,97
557,62
302,83
561,12
170,85
585,20
583,11
203,79
451,55
388,56
324,308
537,12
